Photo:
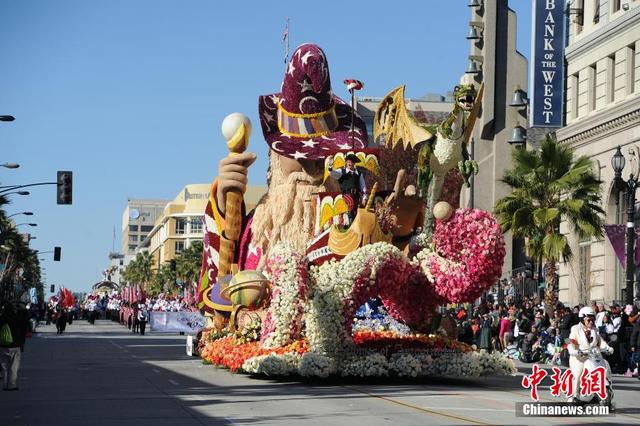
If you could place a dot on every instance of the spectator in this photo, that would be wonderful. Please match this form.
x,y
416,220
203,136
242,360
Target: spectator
x,y
505,331
526,350
635,347
12,344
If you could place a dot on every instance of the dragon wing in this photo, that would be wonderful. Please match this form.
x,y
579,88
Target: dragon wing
x,y
394,120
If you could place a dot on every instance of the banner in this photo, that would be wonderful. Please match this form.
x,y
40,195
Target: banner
x,y
176,322
617,238
547,66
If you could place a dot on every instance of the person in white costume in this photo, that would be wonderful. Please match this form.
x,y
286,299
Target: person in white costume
x,y
584,337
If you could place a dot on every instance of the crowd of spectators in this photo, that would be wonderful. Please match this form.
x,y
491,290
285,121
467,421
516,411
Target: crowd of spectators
x,y
514,321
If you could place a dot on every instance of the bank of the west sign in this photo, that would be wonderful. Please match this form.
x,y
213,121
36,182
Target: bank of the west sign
x,y
547,70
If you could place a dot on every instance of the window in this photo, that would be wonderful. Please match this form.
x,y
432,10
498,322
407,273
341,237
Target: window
x,y
146,228
142,237
133,228
179,247
133,238
196,225
132,248
579,15
591,94
616,5
180,226
584,260
596,11
631,68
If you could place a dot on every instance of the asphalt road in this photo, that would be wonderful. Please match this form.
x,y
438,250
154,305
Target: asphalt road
x,y
105,375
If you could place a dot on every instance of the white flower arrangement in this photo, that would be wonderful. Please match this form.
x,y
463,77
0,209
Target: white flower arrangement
x,y
405,365
273,365
289,274
316,365
373,365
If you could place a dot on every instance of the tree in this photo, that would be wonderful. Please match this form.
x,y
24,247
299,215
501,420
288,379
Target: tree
x,y
550,186
189,262
21,265
139,271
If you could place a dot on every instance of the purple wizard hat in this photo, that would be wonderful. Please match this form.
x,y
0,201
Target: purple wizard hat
x,y
305,120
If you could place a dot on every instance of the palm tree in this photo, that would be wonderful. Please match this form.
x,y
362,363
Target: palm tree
x,y
549,186
188,263
139,271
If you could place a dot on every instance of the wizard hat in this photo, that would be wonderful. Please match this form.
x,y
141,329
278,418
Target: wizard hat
x,y
305,120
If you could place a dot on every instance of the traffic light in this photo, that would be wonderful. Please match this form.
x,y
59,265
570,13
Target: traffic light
x,y
57,253
65,185
53,288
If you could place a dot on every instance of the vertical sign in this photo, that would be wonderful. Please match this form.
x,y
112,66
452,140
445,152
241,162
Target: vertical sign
x,y
547,74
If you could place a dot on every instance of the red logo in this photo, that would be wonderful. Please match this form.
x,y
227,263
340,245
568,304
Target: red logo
x,y
593,382
533,380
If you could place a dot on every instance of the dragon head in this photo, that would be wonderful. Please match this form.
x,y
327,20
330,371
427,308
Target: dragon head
x,y
465,96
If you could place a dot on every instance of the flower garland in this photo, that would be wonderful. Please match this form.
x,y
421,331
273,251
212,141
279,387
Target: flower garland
x,y
289,276
467,255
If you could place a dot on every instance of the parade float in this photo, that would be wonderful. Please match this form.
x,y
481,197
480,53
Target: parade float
x,y
288,287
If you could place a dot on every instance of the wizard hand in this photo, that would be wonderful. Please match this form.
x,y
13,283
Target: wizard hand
x,y
328,162
232,176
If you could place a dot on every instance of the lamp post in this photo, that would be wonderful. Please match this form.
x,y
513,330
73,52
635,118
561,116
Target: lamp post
x,y
17,192
7,118
24,213
629,187
10,165
27,224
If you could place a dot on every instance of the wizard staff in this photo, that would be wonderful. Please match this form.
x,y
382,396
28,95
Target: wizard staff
x,y
236,128
352,86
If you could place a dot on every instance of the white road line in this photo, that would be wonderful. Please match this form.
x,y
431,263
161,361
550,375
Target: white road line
x,y
155,370
231,422
173,382
115,344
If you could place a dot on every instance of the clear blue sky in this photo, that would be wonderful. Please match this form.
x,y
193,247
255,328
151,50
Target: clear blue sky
x,y
129,95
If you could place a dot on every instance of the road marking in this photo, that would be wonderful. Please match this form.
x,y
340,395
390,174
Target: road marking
x,y
415,407
115,344
155,370
173,382
231,422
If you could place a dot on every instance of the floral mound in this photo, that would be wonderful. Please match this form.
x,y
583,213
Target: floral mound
x,y
309,328
381,354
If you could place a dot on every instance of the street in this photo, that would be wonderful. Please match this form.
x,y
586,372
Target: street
x,y
103,374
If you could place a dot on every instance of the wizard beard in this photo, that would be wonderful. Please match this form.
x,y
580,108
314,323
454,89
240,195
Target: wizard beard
x,y
285,213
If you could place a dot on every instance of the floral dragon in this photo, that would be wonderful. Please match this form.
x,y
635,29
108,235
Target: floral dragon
x,y
442,147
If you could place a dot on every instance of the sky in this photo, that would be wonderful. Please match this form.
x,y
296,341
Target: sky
x,y
130,94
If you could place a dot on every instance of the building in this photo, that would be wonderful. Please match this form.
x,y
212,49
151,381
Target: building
x,y
602,112
181,221
430,109
137,221
495,61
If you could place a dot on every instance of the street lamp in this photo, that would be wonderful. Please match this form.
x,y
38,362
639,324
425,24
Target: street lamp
x,y
18,192
629,186
10,165
7,118
27,224
24,213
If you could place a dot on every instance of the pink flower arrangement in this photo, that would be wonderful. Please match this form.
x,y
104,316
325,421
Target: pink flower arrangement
x,y
469,254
